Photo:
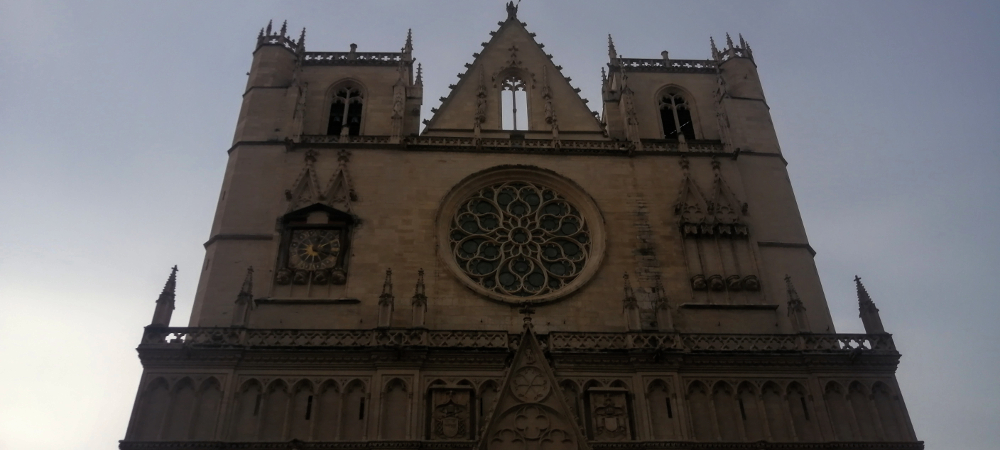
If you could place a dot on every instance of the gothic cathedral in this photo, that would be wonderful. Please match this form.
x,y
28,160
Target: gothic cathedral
x,y
516,272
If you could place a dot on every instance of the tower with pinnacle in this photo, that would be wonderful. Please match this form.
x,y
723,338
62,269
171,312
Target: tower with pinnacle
x,y
627,273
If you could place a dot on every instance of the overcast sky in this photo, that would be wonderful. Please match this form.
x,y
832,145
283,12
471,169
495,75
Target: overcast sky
x,y
115,118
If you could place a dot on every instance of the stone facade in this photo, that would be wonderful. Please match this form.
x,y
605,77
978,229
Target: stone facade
x,y
637,278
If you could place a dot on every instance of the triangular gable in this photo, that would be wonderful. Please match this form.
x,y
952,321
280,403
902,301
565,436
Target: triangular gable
x,y
339,192
691,205
530,411
305,188
513,51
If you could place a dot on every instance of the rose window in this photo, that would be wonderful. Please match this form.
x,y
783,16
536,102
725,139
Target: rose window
x,y
520,239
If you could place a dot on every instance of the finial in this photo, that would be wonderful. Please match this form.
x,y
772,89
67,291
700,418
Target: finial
x,y
742,42
302,38
419,290
868,311
715,51
604,76
512,10
247,288
284,28
408,47
729,41
661,298
420,75
792,294
165,303
863,298
527,310
261,34
612,53
170,287
796,310
387,285
268,28
420,283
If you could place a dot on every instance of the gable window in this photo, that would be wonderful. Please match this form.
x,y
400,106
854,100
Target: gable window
x,y
675,114
345,112
514,101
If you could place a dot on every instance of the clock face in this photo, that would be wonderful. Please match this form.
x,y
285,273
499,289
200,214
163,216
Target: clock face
x,y
314,249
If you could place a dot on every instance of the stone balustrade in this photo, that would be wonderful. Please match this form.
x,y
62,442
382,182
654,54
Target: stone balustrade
x,y
556,342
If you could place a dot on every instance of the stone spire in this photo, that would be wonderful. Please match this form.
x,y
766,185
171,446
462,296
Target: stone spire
x,y
386,302
408,46
420,75
630,306
419,301
869,313
244,301
715,50
165,303
284,28
612,53
796,310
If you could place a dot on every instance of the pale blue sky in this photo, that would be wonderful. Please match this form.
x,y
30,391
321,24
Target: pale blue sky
x,y
115,118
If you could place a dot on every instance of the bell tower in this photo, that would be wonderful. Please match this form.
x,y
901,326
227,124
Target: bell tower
x,y
522,273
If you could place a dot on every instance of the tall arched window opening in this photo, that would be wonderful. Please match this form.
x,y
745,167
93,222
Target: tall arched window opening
x,y
675,114
514,101
345,112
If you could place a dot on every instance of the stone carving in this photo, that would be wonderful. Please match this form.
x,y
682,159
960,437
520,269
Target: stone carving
x,y
609,416
451,416
530,385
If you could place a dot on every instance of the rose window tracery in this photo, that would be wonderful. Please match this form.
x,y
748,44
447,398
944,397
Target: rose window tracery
x,y
520,239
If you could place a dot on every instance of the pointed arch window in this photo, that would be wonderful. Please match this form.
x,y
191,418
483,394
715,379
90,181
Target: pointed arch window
x,y
675,114
514,101
345,111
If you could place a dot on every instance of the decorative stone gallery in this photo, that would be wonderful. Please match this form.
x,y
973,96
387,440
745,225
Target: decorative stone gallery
x,y
637,278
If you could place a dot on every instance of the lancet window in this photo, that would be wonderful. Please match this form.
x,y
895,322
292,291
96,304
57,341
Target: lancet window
x,y
514,101
345,111
675,114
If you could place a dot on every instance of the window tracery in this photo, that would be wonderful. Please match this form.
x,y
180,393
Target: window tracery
x,y
518,234
345,111
520,239
513,93
675,115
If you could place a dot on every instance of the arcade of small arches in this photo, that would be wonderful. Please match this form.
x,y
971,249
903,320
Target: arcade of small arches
x,y
270,410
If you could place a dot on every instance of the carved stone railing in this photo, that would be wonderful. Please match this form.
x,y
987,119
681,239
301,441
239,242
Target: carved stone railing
x,y
566,342
469,445
337,139
581,146
668,65
351,59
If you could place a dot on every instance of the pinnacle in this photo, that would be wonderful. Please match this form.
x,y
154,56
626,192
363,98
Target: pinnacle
x,y
171,285
863,297
793,296
247,288
387,285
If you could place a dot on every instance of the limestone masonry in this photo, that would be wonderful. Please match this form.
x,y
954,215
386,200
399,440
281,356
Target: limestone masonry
x,y
522,274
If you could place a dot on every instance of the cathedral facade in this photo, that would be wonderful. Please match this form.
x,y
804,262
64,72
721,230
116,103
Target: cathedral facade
x,y
515,272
